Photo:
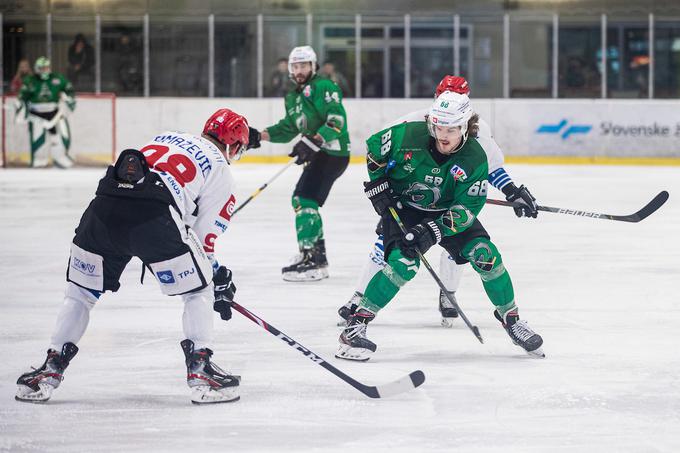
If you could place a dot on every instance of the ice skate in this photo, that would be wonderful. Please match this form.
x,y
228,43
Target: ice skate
x,y
349,308
37,386
208,383
353,342
446,308
308,266
521,334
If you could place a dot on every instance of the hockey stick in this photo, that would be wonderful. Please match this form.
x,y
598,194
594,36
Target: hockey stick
x,y
413,380
642,214
263,186
474,329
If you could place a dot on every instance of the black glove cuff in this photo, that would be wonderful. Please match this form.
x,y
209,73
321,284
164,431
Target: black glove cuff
x,y
436,232
509,190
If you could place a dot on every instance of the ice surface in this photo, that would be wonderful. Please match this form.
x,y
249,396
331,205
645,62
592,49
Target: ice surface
x,y
602,294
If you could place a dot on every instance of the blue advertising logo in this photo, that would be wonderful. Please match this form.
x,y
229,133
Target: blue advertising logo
x,y
565,132
166,277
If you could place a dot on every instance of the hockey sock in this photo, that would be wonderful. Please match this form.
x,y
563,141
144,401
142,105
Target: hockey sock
x,y
308,225
450,272
486,260
197,320
374,264
386,284
74,316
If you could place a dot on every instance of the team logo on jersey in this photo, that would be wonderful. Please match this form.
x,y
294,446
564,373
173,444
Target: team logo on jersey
x,y
408,155
458,173
422,195
436,170
307,92
228,208
165,277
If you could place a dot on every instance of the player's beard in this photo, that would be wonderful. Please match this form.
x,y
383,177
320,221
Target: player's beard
x,y
447,146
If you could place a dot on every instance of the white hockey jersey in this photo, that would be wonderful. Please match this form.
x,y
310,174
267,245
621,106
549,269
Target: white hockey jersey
x,y
198,176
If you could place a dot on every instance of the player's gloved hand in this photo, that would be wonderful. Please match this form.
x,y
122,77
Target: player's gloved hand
x,y
381,195
306,149
420,238
254,138
224,292
522,195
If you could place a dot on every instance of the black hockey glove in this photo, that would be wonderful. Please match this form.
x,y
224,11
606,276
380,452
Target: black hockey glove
x,y
420,238
254,138
522,195
306,149
224,292
381,195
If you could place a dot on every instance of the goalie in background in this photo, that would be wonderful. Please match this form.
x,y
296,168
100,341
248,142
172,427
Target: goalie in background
x,y
44,101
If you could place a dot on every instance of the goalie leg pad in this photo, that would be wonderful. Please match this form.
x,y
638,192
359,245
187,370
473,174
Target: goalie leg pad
x,y
40,148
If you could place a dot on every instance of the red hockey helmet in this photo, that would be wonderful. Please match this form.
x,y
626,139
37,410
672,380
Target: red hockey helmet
x,y
230,129
452,83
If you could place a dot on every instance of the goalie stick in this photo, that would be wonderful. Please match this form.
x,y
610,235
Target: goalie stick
x,y
642,214
413,380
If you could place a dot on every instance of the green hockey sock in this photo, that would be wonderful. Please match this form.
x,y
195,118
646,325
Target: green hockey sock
x,y
308,225
487,262
386,284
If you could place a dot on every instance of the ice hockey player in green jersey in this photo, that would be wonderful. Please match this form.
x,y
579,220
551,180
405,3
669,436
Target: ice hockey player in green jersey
x,y
436,175
314,110
44,100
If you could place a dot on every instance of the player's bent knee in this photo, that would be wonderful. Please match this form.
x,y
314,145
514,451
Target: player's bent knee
x,y
86,296
405,268
484,258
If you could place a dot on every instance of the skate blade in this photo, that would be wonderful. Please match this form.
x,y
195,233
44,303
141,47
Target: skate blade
x,y
207,395
307,276
341,323
536,353
28,395
347,352
447,322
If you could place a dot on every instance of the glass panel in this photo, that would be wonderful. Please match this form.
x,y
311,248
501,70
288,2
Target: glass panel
x,y
335,36
579,61
122,57
73,52
236,57
485,42
627,59
431,53
178,51
280,36
376,64
531,58
667,59
22,39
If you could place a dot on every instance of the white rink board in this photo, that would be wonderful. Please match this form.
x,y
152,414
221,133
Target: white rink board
x,y
603,294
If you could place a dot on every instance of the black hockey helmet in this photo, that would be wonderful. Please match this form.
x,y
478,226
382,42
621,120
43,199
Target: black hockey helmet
x,y
131,166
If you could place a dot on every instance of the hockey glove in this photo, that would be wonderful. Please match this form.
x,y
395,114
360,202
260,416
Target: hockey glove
x,y
254,138
306,149
381,195
522,195
420,238
224,292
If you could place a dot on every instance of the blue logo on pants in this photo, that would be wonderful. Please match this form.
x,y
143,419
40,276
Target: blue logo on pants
x,y
166,277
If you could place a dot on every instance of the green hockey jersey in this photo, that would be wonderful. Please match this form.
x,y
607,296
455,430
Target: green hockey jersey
x,y
43,95
316,107
454,190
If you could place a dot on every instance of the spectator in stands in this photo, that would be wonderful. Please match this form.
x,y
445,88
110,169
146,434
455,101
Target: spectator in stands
x,y
130,78
328,71
23,70
279,80
81,63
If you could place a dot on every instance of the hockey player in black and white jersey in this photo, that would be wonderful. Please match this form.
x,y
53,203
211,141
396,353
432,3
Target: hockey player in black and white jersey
x,y
165,204
451,268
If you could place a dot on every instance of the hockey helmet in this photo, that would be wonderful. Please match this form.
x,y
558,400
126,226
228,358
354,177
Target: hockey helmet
x,y
301,54
42,67
230,129
452,83
450,109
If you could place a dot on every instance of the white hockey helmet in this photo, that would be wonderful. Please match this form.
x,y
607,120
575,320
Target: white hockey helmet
x,y
450,109
300,55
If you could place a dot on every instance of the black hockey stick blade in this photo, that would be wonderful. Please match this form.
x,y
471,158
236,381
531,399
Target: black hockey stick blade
x,y
642,214
411,381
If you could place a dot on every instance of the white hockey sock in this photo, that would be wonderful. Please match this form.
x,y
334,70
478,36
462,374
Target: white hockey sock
x,y
375,263
450,272
73,317
198,316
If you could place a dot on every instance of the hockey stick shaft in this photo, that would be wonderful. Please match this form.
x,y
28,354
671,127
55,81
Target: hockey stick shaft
x,y
413,380
474,329
263,186
642,214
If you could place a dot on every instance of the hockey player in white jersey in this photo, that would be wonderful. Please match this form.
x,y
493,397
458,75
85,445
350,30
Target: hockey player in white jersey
x,y
451,268
166,204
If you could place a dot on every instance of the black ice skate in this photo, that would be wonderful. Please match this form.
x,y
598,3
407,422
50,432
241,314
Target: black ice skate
x,y
353,342
447,309
308,266
520,333
208,382
37,386
349,308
